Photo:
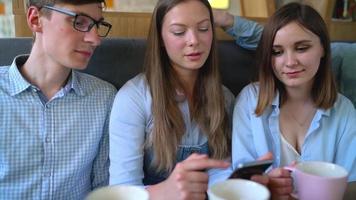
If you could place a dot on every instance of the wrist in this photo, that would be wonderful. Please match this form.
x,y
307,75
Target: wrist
x,y
229,21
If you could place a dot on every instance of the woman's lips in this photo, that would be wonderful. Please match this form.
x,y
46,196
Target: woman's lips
x,y
85,53
194,56
294,74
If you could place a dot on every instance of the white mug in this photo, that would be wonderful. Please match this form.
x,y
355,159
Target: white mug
x,y
119,192
238,189
319,180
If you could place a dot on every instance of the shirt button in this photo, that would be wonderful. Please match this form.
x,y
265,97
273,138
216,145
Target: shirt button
x,y
34,89
48,139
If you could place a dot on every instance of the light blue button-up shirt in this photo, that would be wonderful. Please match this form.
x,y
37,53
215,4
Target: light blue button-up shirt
x,y
57,148
131,123
331,136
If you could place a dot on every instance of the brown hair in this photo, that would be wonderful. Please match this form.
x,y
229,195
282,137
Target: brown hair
x,y
40,3
209,104
324,92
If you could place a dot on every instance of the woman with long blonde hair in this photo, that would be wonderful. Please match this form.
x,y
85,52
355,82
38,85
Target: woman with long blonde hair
x,y
171,123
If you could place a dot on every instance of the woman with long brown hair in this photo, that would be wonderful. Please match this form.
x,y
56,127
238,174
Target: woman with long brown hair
x,y
294,111
171,123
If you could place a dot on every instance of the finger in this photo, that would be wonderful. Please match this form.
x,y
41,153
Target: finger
x,y
267,156
262,179
195,196
193,176
195,187
279,173
280,197
196,156
281,191
281,182
203,163
281,186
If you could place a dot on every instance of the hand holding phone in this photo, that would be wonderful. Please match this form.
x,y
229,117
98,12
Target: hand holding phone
x,y
246,170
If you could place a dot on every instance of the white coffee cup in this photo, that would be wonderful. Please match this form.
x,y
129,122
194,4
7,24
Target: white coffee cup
x,y
319,180
119,192
238,189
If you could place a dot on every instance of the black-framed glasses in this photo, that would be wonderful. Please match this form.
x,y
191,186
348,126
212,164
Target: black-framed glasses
x,y
84,23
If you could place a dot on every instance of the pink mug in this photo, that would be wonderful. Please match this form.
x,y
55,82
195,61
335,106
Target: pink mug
x,y
319,180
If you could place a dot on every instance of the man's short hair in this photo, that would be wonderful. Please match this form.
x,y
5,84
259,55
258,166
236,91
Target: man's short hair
x,y
41,3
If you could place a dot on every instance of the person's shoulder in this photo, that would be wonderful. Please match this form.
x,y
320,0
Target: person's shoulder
x,y
135,91
4,70
251,90
343,103
4,75
137,84
94,84
227,92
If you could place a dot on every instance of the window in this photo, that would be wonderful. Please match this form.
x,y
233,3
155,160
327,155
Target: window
x,y
7,24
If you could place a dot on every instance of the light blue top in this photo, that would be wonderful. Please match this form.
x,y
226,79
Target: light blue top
x,y
131,124
57,148
247,33
331,136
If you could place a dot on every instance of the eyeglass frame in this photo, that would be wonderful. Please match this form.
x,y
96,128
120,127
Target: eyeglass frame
x,y
97,23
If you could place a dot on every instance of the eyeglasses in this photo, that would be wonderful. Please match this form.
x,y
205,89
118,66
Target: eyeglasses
x,y
84,23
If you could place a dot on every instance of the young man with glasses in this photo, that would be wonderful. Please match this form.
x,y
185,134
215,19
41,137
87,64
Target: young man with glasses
x,y
53,119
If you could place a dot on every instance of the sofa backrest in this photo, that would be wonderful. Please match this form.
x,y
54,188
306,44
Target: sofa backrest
x,y
119,59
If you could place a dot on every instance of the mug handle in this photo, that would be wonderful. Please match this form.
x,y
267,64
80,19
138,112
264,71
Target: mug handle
x,y
292,169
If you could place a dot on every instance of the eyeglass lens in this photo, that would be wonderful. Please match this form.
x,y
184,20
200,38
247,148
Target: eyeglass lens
x,y
85,24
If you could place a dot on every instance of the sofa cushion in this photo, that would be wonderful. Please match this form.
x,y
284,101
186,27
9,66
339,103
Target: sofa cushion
x,y
344,67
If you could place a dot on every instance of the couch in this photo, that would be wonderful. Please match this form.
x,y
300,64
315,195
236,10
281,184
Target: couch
x,y
117,60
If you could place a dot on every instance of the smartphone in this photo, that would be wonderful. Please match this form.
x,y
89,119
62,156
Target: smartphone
x,y
246,170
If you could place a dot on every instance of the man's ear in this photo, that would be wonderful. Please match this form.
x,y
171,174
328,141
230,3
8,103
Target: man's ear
x,y
33,19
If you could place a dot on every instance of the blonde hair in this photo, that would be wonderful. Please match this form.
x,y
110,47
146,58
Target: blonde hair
x,y
208,107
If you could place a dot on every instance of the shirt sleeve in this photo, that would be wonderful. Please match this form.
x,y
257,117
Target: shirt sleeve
x,y
346,151
127,136
243,146
246,33
100,170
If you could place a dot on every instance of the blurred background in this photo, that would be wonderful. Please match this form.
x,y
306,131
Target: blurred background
x,y
7,26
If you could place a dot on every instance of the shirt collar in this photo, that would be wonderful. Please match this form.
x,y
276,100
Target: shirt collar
x,y
276,102
75,84
20,84
17,81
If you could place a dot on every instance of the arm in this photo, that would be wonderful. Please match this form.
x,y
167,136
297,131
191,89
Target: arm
x,y
127,136
246,33
243,145
345,154
100,170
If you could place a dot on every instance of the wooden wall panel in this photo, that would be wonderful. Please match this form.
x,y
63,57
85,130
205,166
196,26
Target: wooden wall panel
x,y
129,24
